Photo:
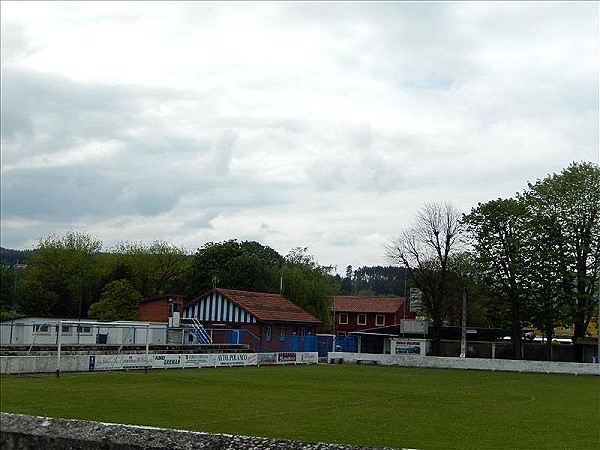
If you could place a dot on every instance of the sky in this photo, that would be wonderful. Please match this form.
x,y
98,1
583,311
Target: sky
x,y
325,125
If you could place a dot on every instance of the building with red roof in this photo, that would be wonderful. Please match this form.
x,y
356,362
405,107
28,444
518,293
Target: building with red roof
x,y
355,313
270,318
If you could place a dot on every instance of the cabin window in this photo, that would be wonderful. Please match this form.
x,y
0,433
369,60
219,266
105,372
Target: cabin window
x,y
302,331
361,319
282,333
380,320
343,318
41,328
65,329
84,329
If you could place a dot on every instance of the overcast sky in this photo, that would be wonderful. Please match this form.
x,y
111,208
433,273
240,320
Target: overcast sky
x,y
320,125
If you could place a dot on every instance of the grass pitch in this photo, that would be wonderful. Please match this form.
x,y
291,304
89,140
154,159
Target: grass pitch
x,y
350,404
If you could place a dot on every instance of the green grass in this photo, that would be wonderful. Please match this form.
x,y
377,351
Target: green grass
x,y
360,405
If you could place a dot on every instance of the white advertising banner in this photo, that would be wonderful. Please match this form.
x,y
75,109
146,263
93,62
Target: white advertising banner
x,y
236,359
168,361
307,358
117,362
199,360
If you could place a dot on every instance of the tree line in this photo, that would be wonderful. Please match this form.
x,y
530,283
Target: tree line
x,y
530,260
71,276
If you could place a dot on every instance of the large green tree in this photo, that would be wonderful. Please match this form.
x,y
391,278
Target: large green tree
x,y
153,269
66,267
119,301
497,231
245,265
565,214
308,284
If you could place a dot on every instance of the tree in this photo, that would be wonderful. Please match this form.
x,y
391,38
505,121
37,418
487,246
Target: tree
x,y
380,280
119,301
565,211
154,269
245,265
497,232
64,265
424,250
308,284
463,280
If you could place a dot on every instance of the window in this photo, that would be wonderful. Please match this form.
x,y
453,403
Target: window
x,y
83,329
343,318
282,333
65,329
380,320
269,333
361,319
41,328
302,331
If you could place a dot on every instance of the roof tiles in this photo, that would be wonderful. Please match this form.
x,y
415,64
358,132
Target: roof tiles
x,y
269,307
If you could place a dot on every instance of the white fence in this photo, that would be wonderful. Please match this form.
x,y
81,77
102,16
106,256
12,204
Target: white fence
x,y
438,362
84,363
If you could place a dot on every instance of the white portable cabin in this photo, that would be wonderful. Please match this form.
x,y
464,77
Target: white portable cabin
x,y
45,331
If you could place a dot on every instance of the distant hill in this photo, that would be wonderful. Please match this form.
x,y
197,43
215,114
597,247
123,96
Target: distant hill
x,y
10,256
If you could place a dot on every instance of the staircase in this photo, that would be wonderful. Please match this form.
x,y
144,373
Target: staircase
x,y
201,334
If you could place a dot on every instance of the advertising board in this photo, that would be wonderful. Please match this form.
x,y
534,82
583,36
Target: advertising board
x,y
286,358
307,357
168,361
267,359
199,360
235,359
409,347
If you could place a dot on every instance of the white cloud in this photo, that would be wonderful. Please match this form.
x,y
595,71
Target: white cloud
x,y
296,124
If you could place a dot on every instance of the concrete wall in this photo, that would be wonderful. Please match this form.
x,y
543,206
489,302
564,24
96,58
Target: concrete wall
x,y
467,363
44,364
20,432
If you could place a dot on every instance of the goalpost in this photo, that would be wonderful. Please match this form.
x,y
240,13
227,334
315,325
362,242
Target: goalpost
x,y
131,325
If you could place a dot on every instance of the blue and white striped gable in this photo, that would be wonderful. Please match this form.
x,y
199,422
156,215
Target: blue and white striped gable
x,y
214,307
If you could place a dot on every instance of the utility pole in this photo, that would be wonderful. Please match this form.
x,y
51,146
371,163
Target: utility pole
x,y
14,301
463,334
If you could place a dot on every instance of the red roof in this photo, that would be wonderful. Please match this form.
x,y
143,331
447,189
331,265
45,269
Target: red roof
x,y
350,303
267,307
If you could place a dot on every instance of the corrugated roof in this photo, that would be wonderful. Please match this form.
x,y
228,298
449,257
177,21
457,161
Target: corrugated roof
x,y
269,307
351,303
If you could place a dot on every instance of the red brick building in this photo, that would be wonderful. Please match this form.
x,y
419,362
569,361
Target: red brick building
x,y
271,318
352,313
160,309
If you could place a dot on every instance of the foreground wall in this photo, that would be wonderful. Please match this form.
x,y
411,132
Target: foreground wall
x,y
466,363
85,363
19,432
